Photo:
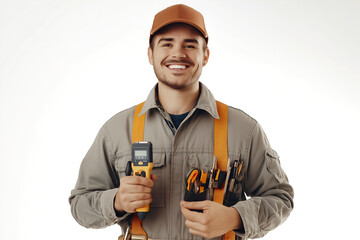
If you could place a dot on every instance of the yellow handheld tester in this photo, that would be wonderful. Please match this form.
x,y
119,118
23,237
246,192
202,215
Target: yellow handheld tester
x,y
142,164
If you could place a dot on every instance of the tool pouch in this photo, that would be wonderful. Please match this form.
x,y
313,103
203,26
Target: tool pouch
x,y
230,199
194,197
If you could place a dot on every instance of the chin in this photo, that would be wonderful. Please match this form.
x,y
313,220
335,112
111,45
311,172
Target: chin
x,y
177,85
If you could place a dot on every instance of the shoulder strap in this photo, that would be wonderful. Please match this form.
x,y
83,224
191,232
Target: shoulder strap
x,y
220,151
138,124
220,144
138,136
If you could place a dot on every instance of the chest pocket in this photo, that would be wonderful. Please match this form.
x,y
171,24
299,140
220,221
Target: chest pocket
x,y
158,191
199,160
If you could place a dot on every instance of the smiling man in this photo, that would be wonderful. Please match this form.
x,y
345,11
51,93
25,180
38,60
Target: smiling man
x,y
180,116
178,53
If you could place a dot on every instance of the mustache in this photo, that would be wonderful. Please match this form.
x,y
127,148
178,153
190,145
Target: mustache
x,y
178,61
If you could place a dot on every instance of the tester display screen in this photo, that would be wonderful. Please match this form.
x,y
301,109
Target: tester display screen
x,y
140,153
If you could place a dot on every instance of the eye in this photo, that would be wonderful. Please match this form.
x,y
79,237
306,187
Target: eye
x,y
166,45
190,46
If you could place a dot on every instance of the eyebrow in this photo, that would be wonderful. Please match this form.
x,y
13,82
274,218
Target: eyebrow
x,y
188,40
192,40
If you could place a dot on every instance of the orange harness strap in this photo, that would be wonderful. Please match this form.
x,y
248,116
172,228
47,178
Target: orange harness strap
x,y
138,124
220,151
220,145
138,136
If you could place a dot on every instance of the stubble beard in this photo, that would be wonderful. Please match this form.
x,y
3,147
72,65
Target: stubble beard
x,y
183,85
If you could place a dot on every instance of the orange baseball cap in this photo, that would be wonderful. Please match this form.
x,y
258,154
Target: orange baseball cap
x,y
179,13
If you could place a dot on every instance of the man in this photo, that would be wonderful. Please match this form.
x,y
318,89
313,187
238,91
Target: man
x,y
180,113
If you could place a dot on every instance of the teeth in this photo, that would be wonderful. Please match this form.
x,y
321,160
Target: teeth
x,y
177,67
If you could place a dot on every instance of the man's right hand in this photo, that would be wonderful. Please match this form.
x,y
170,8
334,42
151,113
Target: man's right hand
x,y
134,192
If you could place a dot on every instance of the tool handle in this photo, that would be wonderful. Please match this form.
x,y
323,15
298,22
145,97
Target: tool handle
x,y
143,171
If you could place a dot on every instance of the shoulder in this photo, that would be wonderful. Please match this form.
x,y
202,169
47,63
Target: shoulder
x,y
117,131
241,126
120,122
121,116
238,116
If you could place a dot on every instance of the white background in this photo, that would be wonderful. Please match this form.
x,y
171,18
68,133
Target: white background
x,y
66,67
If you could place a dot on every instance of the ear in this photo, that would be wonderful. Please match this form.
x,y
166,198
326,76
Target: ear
x,y
206,56
150,56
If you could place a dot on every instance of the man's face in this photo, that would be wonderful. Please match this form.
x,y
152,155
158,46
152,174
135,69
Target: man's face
x,y
178,56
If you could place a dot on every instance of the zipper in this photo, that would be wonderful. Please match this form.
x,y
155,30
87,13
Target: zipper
x,y
175,132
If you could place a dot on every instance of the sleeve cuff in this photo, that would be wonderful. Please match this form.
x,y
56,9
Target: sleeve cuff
x,y
246,210
107,206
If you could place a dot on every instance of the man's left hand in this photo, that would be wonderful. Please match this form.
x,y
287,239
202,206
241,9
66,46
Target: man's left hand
x,y
214,221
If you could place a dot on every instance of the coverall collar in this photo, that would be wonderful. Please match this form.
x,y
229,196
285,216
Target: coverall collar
x,y
205,102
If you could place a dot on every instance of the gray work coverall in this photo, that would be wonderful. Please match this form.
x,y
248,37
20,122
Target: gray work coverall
x,y
175,152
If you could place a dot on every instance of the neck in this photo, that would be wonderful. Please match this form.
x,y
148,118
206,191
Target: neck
x,y
178,101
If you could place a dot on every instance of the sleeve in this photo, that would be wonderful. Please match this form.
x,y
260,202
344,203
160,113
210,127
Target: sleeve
x,y
92,200
266,184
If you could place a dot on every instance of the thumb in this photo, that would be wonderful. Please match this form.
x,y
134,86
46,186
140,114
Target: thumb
x,y
199,205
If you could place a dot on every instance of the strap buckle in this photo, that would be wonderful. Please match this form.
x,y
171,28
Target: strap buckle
x,y
138,237
129,236
133,237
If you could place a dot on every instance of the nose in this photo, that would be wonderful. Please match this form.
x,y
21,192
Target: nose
x,y
178,52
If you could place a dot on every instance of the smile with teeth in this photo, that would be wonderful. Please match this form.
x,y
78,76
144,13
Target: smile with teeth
x,y
175,66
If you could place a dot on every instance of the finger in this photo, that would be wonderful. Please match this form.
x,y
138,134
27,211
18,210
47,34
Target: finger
x,y
199,205
203,231
140,203
154,177
191,215
132,206
137,197
196,226
134,189
136,180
